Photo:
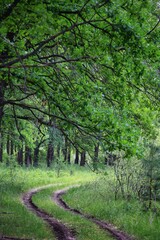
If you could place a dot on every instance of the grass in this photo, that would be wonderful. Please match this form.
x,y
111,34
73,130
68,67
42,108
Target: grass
x,y
15,219
95,196
98,199
85,229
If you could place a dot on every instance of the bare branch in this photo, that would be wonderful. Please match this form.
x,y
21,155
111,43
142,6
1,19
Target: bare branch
x,y
153,28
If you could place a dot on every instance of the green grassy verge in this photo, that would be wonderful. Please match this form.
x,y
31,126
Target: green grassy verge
x,y
15,219
98,199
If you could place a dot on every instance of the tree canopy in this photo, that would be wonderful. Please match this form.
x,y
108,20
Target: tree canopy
x,y
88,68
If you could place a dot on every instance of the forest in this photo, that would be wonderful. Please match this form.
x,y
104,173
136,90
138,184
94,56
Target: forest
x,y
80,119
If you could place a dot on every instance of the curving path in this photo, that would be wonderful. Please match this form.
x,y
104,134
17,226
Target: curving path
x,y
60,230
117,234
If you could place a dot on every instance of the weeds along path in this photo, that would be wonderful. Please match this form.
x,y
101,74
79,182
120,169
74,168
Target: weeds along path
x,y
60,230
117,234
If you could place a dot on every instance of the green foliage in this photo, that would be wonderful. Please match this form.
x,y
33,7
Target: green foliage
x,y
91,66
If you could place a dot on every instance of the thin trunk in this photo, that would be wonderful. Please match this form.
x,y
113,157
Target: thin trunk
x,y
28,157
77,157
95,160
50,154
69,154
20,157
2,89
83,158
65,150
36,153
36,156
58,151
12,147
1,146
8,145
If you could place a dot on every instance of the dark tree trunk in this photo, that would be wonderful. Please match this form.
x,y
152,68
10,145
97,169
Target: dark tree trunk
x,y
95,159
36,156
77,157
8,145
50,154
65,150
58,151
2,89
36,153
1,146
110,159
12,147
20,157
83,158
69,154
28,157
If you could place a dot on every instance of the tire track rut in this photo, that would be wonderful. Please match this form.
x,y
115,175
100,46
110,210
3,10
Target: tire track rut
x,y
61,231
117,234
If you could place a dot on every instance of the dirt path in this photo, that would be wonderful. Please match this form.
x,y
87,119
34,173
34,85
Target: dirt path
x,y
61,231
13,238
117,234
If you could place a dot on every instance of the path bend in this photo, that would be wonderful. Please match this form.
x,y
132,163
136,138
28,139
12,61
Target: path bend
x,y
117,234
61,231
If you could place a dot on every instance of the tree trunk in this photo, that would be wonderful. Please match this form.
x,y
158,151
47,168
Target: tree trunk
x,y
76,161
36,156
8,145
20,157
50,154
65,150
83,158
2,89
28,157
58,151
11,147
36,153
95,159
69,154
1,146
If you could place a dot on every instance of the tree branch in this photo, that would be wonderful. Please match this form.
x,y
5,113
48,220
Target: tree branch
x,y
153,28
42,44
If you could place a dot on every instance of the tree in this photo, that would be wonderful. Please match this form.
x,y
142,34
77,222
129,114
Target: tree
x,y
91,66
